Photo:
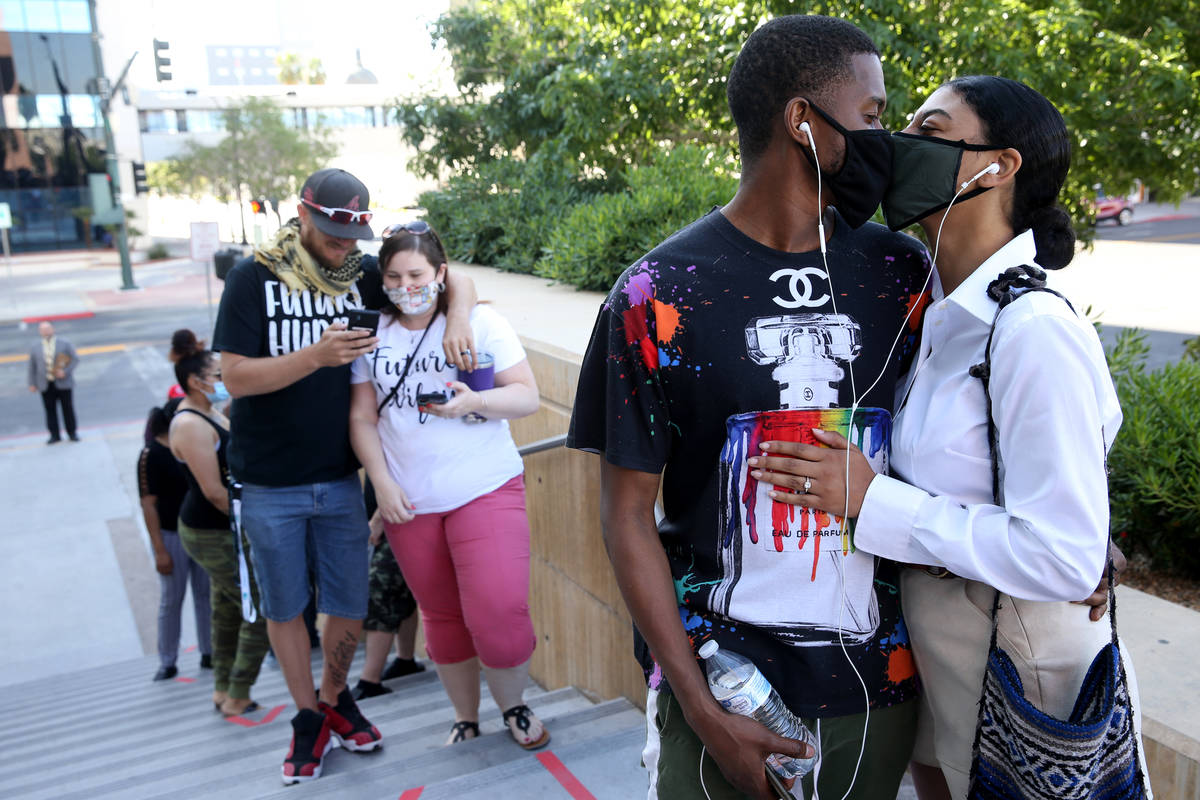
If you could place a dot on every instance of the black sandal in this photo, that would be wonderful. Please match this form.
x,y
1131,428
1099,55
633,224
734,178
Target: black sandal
x,y
522,715
459,731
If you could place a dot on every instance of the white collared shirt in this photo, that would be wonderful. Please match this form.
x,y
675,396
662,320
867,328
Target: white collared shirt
x,y
1056,414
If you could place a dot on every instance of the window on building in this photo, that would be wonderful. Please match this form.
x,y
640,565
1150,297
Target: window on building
x,y
204,121
12,14
158,121
49,16
85,113
73,16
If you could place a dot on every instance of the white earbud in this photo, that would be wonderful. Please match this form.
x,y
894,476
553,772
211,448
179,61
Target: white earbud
x,y
804,126
991,169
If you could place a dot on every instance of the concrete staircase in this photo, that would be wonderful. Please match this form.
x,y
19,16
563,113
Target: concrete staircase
x,y
110,732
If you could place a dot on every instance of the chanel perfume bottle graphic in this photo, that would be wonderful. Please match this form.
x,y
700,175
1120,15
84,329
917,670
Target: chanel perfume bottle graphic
x,y
774,549
805,351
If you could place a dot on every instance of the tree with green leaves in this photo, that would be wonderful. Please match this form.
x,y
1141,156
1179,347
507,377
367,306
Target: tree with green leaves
x,y
597,86
294,71
260,155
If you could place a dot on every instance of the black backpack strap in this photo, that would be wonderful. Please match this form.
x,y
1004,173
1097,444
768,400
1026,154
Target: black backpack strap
x,y
1003,290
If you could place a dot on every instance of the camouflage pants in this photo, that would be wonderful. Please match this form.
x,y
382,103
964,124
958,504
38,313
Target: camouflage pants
x,y
389,601
238,647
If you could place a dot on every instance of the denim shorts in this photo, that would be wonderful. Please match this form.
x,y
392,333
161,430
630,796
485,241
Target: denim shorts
x,y
319,528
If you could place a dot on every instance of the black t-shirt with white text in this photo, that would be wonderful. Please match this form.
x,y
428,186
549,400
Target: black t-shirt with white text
x,y
713,343
299,434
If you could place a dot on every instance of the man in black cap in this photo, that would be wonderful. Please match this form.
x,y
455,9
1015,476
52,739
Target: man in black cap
x,y
286,351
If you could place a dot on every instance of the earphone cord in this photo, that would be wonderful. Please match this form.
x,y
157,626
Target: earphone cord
x,y
853,410
924,287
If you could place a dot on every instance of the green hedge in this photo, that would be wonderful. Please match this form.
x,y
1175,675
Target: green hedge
x,y
503,213
1154,465
540,217
602,236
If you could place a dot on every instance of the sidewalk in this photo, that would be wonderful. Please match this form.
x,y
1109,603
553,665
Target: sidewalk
x,y
80,588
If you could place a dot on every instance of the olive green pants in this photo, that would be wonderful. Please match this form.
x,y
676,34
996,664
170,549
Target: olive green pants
x,y
238,647
889,742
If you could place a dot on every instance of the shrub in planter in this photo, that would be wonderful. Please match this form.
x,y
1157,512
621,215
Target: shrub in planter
x,y
1154,466
502,213
602,236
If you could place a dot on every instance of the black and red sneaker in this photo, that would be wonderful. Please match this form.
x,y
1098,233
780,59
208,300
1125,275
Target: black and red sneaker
x,y
348,726
311,740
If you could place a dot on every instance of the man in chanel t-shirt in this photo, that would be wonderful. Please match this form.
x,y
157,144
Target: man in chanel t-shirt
x,y
733,332
285,358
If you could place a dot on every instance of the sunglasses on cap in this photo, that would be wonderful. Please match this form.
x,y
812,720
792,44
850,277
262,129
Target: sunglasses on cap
x,y
341,216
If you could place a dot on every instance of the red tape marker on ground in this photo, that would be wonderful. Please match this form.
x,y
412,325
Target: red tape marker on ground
x,y
185,680
412,794
564,776
249,723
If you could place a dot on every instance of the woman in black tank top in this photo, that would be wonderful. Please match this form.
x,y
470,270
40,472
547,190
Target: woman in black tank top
x,y
197,511
199,437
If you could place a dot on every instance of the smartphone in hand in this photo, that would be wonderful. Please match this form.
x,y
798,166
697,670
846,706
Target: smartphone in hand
x,y
431,398
361,319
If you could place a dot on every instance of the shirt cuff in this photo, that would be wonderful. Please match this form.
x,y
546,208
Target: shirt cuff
x,y
885,523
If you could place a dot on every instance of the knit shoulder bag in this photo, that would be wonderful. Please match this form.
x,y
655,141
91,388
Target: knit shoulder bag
x,y
1020,752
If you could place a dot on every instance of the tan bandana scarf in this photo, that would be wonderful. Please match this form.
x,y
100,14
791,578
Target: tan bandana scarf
x,y
298,270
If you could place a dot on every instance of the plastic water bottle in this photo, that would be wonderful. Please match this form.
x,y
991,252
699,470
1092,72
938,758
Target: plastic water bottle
x,y
741,689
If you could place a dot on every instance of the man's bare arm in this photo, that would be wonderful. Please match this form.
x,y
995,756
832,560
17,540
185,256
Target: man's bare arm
x,y
739,745
459,341
244,376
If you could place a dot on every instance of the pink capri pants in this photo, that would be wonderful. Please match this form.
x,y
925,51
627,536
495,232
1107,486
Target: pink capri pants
x,y
469,571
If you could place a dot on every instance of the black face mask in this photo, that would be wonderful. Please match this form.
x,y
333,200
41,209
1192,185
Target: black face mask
x,y
865,174
925,177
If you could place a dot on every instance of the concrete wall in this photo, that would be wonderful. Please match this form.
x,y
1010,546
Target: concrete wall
x,y
584,632
1173,761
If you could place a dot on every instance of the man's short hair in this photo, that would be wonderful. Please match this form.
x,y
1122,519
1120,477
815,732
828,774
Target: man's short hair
x,y
801,55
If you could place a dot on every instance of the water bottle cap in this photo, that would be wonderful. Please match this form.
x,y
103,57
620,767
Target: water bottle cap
x,y
708,649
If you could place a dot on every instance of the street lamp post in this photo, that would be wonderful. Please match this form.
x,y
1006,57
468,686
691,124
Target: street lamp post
x,y
110,149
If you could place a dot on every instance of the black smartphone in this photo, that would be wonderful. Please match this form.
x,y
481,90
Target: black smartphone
x,y
777,785
361,319
426,398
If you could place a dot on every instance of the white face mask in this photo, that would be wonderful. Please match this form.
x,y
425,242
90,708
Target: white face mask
x,y
415,300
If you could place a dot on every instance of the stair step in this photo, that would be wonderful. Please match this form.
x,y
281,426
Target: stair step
x,y
607,765
497,751
111,732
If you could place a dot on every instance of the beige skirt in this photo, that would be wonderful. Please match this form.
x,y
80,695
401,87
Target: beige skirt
x,y
949,622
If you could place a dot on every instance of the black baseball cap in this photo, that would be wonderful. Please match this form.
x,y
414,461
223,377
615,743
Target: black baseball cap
x,y
339,191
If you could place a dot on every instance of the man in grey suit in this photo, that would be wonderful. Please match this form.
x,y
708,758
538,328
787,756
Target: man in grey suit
x,y
52,363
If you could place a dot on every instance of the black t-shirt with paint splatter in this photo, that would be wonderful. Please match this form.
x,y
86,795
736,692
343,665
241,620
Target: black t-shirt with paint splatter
x,y
713,343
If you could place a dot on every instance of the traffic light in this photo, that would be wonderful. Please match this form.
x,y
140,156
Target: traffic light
x,y
140,186
161,60
258,206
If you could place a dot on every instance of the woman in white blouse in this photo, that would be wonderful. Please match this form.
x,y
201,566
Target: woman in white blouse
x,y
1003,152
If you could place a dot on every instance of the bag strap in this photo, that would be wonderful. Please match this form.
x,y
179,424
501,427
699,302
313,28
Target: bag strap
x,y
408,363
1003,290
249,612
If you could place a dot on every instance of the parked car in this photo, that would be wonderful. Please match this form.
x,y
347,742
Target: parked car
x,y
1118,208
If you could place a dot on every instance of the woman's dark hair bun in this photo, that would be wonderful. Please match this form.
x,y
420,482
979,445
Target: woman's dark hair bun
x,y
183,344
1053,235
